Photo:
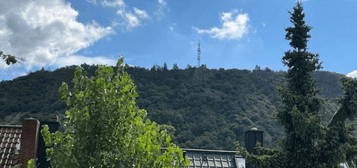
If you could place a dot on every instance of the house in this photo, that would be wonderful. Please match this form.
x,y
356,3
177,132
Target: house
x,y
20,143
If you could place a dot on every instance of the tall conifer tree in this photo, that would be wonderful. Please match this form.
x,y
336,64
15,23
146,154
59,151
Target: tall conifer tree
x,y
308,142
300,114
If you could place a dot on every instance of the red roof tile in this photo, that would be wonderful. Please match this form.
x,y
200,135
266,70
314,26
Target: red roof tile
x,y
10,137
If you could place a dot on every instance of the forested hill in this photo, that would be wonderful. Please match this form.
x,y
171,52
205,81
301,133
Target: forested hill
x,y
209,108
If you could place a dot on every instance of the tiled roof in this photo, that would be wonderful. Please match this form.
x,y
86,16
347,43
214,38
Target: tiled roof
x,y
10,137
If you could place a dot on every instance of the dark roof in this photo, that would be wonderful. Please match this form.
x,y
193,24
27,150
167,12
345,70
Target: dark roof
x,y
10,137
202,158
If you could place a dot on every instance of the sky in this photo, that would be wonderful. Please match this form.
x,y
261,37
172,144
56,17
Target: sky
x,y
233,33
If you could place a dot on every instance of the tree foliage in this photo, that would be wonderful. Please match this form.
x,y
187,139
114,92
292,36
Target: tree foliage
x,y
300,113
105,128
30,164
226,102
9,59
308,143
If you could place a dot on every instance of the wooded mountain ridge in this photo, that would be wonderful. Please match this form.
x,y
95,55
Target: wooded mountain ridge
x,y
203,108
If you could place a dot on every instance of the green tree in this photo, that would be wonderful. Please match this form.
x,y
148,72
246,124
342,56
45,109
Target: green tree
x,y
175,67
308,143
300,114
9,59
106,129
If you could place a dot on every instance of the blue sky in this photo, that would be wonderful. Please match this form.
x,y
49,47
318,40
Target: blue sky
x,y
233,33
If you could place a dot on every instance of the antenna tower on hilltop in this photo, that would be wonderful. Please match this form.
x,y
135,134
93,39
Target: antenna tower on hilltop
x,y
199,54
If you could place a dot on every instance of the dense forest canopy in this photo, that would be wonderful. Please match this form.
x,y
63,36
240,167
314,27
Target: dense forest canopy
x,y
208,108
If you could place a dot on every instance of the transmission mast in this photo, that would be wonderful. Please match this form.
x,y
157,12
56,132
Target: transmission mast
x,y
199,54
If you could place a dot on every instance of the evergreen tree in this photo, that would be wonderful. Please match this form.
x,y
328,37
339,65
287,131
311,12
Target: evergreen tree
x,y
175,67
300,114
165,67
308,143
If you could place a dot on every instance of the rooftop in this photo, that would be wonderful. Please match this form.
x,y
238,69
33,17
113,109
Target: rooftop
x,y
10,137
202,158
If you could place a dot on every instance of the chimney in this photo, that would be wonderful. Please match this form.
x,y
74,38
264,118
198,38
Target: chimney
x,y
29,139
253,137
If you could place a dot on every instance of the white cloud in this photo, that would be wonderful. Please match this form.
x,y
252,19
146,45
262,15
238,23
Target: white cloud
x,y
234,27
108,3
161,8
162,2
78,60
352,74
92,1
141,13
132,20
113,3
129,17
44,32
